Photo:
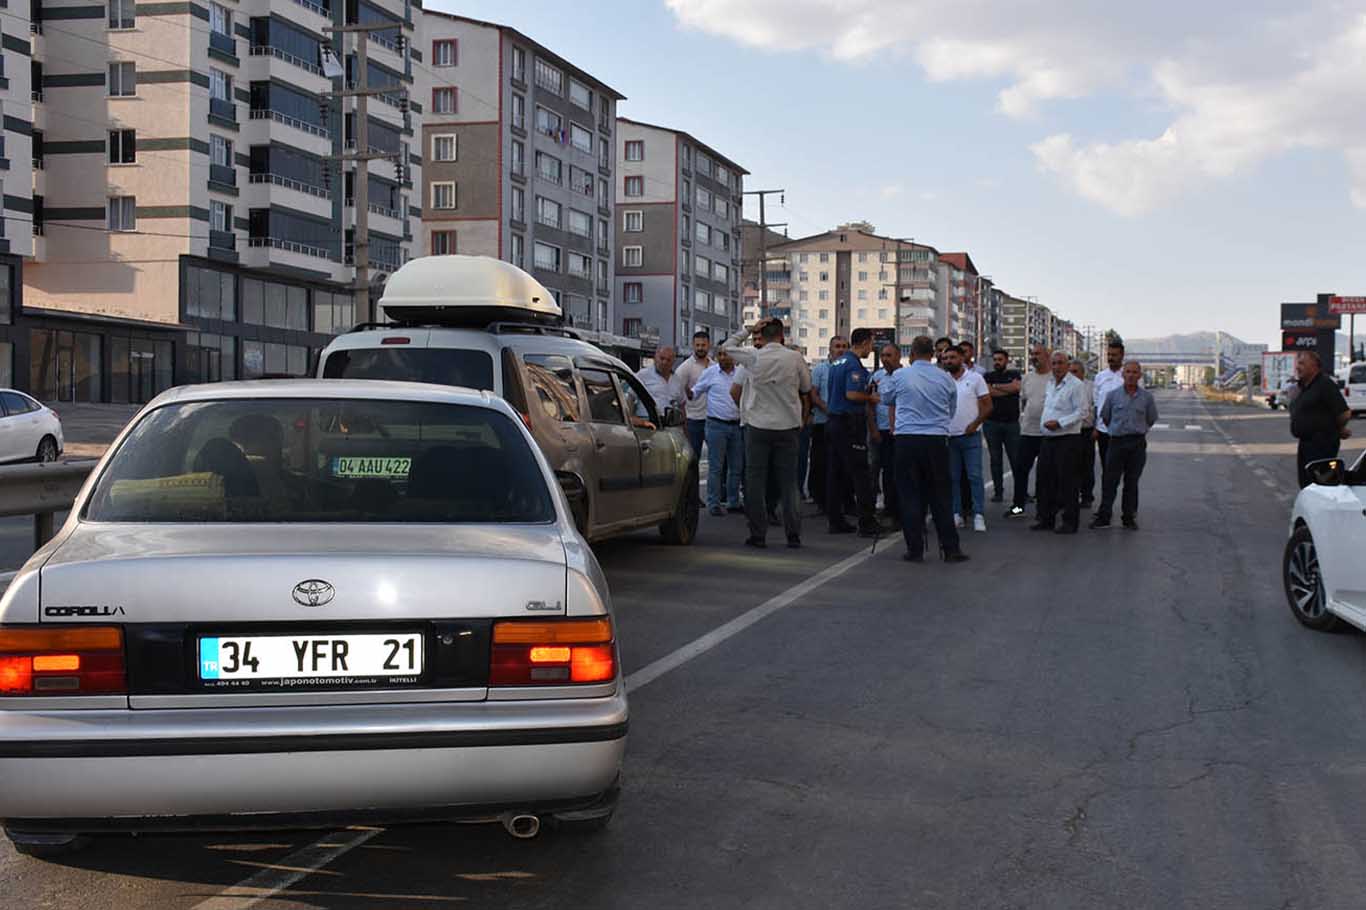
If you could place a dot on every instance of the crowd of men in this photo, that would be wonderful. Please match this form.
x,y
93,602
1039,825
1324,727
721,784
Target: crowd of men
x,y
777,432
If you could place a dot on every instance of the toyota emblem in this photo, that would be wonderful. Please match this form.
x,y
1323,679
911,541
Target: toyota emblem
x,y
314,593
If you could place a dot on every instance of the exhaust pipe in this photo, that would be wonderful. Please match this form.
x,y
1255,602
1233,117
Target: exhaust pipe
x,y
520,825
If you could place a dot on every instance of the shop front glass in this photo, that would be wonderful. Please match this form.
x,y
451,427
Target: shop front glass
x,y
64,366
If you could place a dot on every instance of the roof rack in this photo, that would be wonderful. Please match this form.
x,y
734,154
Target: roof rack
x,y
494,328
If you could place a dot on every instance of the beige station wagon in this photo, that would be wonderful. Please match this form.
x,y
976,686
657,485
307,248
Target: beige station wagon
x,y
484,324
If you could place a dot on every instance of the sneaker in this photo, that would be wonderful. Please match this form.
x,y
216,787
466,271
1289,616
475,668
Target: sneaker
x,y
958,522
1099,523
1014,512
956,556
757,543
913,557
979,522
1130,524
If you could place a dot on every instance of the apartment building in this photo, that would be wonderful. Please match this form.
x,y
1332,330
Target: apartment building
x,y
520,160
680,211
962,309
1025,323
193,220
851,277
16,188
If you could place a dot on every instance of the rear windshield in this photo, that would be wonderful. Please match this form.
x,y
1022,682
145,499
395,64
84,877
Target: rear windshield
x,y
299,460
442,366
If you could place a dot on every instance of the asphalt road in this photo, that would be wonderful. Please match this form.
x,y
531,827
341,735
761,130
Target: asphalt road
x,y
1114,719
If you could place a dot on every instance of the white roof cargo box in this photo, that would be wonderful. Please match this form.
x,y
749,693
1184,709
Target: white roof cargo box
x,y
466,291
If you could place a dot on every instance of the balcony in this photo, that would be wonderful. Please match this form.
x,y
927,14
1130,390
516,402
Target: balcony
x,y
308,136
224,110
222,240
227,44
316,9
268,250
262,50
265,189
223,174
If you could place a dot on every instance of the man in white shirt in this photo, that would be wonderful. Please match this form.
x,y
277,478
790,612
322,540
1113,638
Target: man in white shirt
x,y
1033,387
1107,381
1086,449
688,373
965,437
775,402
664,385
1060,423
725,443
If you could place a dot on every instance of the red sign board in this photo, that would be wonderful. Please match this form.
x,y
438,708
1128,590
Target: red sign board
x,y
1347,305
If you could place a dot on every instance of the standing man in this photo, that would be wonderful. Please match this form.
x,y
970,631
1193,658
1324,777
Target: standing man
x,y
820,416
725,443
940,346
1002,429
880,432
970,358
1107,381
1033,389
847,438
972,407
664,385
1318,416
1086,448
688,374
1064,403
923,399
777,384
1130,413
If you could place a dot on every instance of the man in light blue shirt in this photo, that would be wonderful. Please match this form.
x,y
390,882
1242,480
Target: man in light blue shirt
x,y
922,400
880,438
820,416
1060,455
725,442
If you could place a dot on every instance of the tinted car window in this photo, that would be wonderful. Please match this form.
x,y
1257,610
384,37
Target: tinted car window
x,y
299,460
1358,374
14,403
603,404
441,366
552,385
638,400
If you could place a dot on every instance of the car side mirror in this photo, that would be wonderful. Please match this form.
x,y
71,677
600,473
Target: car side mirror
x,y
1329,472
675,417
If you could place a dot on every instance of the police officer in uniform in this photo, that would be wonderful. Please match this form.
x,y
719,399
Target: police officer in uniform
x,y
847,438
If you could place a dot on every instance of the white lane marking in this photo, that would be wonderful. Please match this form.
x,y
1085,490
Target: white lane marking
x,y
1194,426
1162,426
269,882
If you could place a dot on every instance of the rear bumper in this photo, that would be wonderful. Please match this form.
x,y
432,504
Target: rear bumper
x,y
137,770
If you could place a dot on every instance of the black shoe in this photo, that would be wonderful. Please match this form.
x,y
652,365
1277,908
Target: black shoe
x,y
794,542
1014,512
913,557
1041,526
1130,524
757,543
955,556
840,529
1065,529
870,531
1098,523
998,498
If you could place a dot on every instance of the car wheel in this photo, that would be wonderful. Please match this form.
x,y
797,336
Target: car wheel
x,y
1304,583
46,846
681,528
47,450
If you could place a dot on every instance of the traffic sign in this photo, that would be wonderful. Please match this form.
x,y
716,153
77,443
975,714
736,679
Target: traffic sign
x,y
1346,305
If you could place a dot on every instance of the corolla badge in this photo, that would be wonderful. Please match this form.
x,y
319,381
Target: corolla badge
x,y
314,593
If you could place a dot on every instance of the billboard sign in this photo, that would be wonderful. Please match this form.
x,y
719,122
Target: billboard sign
x,y
1344,306
1309,316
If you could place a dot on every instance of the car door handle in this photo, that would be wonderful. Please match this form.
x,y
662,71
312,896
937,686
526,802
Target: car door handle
x,y
599,444
646,445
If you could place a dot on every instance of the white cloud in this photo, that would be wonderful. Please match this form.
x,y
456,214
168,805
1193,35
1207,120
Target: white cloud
x,y
891,190
1242,82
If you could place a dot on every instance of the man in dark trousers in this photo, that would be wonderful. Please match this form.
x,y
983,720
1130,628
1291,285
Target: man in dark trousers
x,y
1318,415
1002,429
847,438
1060,422
1130,412
880,433
922,399
820,420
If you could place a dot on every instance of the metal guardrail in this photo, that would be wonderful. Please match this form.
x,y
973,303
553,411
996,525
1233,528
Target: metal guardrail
x,y
41,490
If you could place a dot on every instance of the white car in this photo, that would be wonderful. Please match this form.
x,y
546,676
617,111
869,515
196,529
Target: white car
x,y
1325,577
29,431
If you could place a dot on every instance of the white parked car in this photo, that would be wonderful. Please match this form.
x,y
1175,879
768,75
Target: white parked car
x,y
1325,577
29,431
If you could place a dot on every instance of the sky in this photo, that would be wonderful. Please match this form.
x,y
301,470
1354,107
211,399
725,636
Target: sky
x,y
1154,168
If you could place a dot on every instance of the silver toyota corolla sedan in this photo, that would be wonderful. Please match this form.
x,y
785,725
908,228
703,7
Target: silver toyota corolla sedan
x,y
304,602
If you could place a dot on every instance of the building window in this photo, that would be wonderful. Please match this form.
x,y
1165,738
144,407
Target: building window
x,y
632,257
633,292
519,64
550,167
825,276
443,243
549,123
548,212
825,257
862,276
635,187
518,251
702,301
604,153
702,266
122,14
882,294
445,52
603,198
580,181
123,80
603,231
220,151
633,222
823,314
443,195
580,95
519,111
445,100
704,199
862,295
581,138
549,78
635,150
518,158
122,147
580,224
220,20
547,257
443,147
720,272
703,233
220,216
123,213
580,266
824,295
220,85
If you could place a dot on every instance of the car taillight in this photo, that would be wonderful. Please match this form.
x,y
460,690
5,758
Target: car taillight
x,y
81,660
550,653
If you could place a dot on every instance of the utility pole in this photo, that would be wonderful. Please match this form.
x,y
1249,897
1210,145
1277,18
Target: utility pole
x,y
763,244
362,156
